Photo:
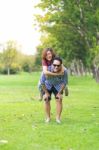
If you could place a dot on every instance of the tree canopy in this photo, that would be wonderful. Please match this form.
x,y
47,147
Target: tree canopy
x,y
70,27
13,61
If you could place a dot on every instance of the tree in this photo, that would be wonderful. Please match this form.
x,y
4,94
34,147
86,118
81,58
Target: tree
x,y
10,55
74,24
27,63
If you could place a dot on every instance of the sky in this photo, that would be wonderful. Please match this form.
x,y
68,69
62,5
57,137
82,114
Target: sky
x,y
16,23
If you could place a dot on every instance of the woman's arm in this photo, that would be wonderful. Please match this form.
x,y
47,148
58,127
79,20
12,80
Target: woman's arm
x,y
48,73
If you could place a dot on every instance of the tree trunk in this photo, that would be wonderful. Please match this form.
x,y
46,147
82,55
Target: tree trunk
x,y
8,71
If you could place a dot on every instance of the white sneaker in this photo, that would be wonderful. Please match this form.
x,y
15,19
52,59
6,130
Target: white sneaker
x,y
47,120
58,121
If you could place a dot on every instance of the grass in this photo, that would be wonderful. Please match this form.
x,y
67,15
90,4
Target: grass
x,y
22,115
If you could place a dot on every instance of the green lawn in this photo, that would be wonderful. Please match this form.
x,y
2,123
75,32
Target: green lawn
x,y
22,115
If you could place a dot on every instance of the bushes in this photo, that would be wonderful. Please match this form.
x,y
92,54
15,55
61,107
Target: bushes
x,y
1,68
12,62
15,68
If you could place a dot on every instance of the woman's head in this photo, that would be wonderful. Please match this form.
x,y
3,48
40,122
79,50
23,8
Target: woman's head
x,y
48,54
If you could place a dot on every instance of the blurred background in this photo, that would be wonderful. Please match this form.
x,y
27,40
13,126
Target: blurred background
x,y
71,28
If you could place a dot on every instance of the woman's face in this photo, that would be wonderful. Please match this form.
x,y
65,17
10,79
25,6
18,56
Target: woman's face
x,y
49,56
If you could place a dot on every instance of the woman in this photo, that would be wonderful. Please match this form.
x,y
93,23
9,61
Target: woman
x,y
47,58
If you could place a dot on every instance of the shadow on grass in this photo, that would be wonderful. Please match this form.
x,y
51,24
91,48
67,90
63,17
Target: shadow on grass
x,y
64,122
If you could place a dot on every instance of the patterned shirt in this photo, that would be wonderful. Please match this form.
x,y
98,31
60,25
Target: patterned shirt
x,y
54,81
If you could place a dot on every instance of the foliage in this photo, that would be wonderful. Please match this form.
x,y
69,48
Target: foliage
x,y
9,55
12,61
27,63
73,24
14,69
